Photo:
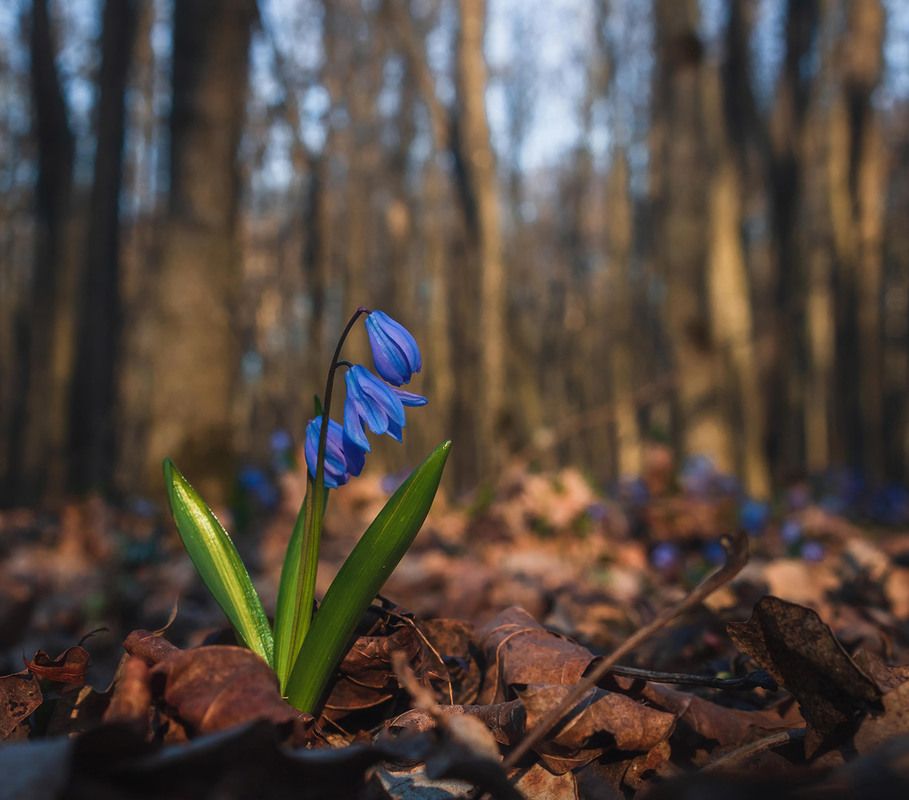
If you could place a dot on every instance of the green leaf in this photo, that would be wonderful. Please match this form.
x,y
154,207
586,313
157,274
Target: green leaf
x,y
218,563
359,580
291,618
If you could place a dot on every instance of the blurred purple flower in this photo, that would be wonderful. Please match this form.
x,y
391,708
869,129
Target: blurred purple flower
x,y
753,516
666,556
813,551
791,531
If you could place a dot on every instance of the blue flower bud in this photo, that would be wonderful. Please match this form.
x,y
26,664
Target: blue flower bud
x,y
394,350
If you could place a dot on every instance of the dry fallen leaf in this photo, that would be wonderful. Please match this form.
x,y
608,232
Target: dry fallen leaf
x,y
801,653
20,694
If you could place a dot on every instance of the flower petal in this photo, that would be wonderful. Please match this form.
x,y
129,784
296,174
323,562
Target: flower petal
x,y
409,398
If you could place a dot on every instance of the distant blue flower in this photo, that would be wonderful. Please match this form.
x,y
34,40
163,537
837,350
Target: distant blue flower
x,y
375,404
791,531
714,552
394,350
343,457
753,516
813,551
281,440
666,556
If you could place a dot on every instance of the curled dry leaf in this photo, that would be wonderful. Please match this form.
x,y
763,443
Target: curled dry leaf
x,y
131,699
801,653
152,648
69,667
519,650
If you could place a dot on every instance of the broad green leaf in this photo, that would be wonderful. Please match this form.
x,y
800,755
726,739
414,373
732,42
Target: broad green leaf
x,y
359,580
218,563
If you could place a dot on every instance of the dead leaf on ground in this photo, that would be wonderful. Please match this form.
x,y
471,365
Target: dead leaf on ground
x,y
518,650
212,688
801,653
20,694
715,722
886,677
893,722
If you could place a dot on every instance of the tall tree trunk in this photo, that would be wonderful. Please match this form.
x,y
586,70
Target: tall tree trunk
x,y
728,281
681,211
196,356
621,349
785,170
32,455
482,186
867,186
91,427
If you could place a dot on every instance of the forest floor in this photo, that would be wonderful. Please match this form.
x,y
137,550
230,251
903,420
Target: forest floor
x,y
791,679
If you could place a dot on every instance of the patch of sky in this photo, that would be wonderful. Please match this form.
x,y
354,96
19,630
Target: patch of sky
x,y
542,45
767,49
895,80
78,59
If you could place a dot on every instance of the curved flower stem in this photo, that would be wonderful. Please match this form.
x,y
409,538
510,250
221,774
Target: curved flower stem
x,y
309,551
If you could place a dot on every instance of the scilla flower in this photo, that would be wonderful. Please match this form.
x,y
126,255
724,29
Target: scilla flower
x,y
375,404
394,350
343,457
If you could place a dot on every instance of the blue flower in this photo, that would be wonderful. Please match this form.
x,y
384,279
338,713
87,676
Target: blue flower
x,y
375,404
343,457
394,350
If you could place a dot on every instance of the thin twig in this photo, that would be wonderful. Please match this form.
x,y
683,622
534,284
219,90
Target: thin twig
x,y
738,757
758,679
737,557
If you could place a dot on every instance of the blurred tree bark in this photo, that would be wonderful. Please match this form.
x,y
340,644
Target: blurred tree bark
x,y
196,355
681,210
621,353
44,328
482,190
784,170
730,113
92,407
863,218
822,439
431,221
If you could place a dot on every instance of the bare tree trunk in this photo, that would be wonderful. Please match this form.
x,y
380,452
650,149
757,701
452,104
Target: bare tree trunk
x,y
784,377
482,184
33,455
627,434
728,283
681,212
196,356
431,219
91,428
867,184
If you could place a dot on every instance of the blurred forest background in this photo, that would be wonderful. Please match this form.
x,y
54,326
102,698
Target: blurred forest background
x,y
607,222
